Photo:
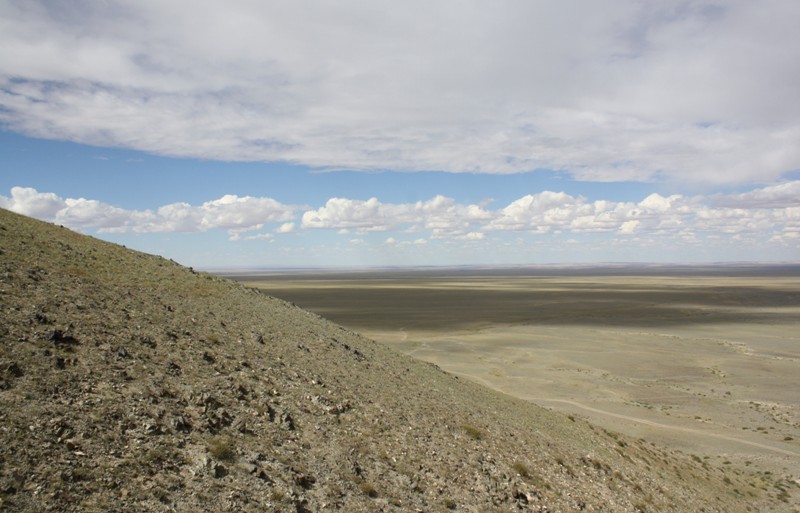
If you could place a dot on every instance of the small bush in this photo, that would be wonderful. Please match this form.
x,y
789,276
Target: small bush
x,y
473,432
449,504
521,469
221,448
369,490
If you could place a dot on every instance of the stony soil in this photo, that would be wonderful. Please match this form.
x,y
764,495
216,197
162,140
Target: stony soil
x,y
130,383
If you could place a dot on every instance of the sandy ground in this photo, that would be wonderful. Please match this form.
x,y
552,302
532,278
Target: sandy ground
x,y
710,366
725,391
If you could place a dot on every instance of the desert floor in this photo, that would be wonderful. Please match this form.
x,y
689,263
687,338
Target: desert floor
x,y
708,363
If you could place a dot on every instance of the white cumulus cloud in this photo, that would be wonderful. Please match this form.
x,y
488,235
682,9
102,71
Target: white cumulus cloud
x,y
30,202
768,214
285,228
233,213
440,214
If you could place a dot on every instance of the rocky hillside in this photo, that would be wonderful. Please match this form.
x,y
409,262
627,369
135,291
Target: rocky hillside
x,y
130,383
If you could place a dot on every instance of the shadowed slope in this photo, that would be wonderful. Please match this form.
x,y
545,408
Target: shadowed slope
x,y
128,382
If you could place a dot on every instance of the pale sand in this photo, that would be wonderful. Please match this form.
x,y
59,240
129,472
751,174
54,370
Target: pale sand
x,y
726,391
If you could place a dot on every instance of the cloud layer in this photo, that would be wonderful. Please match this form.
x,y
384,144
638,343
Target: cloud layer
x,y
770,214
683,90
236,214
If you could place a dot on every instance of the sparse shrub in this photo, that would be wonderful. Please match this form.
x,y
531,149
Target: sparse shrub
x,y
539,482
159,455
369,490
450,504
77,474
221,448
521,469
161,494
565,466
473,432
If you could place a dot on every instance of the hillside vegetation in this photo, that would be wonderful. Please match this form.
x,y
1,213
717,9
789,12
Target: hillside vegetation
x,y
131,383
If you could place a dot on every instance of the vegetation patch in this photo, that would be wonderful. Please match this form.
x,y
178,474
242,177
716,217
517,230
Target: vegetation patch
x,y
221,448
473,432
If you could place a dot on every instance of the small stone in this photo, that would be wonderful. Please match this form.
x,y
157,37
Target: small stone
x,y
147,341
304,481
220,471
41,318
14,370
58,337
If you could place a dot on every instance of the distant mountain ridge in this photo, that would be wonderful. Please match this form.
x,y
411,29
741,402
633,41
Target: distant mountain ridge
x,y
130,383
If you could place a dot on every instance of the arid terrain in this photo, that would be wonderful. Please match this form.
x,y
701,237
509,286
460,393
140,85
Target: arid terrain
x,y
704,360
131,383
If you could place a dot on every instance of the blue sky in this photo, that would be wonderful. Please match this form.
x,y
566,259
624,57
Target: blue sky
x,y
425,133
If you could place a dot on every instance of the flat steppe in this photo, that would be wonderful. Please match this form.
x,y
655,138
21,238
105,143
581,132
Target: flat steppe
x,y
704,360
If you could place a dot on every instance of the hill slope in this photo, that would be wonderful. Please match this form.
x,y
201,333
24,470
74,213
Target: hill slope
x,y
128,382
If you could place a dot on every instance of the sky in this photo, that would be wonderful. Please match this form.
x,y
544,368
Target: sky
x,y
271,134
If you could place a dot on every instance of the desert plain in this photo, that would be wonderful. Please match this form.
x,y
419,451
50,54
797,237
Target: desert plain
x,y
702,359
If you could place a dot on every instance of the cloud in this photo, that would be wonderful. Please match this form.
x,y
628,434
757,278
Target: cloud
x,y
769,214
759,211
233,213
258,236
442,215
285,228
30,202
697,91
629,226
397,243
774,196
474,236
236,234
346,213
